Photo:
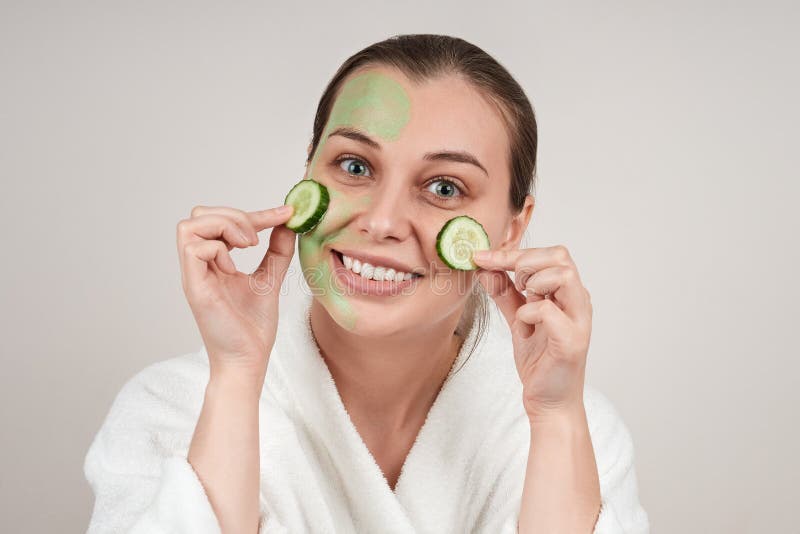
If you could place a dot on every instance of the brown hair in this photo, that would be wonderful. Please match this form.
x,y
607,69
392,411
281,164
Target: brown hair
x,y
424,56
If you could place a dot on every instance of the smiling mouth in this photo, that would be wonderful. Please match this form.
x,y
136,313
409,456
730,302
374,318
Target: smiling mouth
x,y
375,272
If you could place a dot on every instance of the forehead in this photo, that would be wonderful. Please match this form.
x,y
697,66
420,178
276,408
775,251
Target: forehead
x,y
446,112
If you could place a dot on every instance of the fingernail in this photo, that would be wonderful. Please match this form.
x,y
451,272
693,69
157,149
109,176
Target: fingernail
x,y
283,209
481,255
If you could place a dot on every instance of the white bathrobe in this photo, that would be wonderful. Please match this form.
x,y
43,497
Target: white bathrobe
x,y
464,473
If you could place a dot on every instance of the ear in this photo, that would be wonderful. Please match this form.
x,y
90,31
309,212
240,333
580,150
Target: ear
x,y
308,151
518,225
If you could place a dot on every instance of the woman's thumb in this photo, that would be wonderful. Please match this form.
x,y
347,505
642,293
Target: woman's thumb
x,y
501,288
268,277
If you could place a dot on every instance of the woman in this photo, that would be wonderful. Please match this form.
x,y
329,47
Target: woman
x,y
391,402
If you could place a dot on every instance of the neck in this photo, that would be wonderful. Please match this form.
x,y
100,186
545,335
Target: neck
x,y
390,381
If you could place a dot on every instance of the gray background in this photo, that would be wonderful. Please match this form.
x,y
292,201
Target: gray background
x,y
667,167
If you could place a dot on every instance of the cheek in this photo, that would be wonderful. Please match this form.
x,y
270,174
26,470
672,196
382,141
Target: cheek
x,y
309,252
428,223
494,220
426,228
341,210
443,288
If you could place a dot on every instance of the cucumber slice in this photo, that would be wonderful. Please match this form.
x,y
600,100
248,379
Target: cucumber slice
x,y
458,239
310,200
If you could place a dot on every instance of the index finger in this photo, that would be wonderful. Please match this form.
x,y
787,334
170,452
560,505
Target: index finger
x,y
268,218
497,260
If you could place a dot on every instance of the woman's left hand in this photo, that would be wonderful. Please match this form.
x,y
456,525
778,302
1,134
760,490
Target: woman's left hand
x,y
550,316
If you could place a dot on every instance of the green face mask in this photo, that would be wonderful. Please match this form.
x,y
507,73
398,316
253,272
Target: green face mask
x,y
378,105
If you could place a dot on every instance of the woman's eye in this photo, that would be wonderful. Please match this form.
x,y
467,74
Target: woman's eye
x,y
354,166
444,188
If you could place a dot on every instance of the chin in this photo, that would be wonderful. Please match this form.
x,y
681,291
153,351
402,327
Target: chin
x,y
370,319
397,316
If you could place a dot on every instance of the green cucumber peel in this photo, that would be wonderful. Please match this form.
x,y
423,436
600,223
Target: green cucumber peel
x,y
310,200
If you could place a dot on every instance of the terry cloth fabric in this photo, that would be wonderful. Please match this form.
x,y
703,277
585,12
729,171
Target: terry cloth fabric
x,y
464,473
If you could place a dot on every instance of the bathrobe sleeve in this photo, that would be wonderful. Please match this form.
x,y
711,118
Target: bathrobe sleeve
x,y
620,511
137,463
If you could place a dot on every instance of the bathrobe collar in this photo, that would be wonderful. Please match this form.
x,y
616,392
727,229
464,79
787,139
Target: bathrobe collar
x,y
338,443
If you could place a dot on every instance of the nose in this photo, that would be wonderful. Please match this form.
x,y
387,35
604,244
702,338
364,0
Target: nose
x,y
387,215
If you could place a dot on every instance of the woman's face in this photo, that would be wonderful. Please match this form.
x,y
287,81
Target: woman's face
x,y
383,157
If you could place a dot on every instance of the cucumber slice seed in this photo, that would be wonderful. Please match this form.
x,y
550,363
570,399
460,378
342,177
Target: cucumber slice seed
x,y
310,200
458,239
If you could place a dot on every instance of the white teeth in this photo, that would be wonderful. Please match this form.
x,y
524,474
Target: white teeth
x,y
367,270
371,272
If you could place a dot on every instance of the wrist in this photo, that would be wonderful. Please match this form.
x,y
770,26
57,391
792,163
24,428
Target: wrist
x,y
566,416
241,383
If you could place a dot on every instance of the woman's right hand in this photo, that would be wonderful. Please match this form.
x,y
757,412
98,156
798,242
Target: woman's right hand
x,y
236,313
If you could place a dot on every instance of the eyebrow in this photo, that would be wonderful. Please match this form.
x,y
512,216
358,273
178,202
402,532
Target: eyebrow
x,y
458,156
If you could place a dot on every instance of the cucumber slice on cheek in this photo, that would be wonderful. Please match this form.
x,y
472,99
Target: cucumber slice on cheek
x,y
310,200
458,239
